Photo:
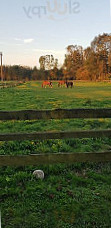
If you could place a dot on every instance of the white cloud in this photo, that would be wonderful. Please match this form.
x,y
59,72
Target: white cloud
x,y
49,51
18,39
28,41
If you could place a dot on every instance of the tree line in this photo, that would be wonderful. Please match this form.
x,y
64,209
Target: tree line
x,y
92,63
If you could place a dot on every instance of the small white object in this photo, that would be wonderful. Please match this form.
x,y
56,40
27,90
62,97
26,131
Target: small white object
x,y
39,174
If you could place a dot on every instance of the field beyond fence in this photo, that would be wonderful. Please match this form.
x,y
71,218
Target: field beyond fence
x,y
67,134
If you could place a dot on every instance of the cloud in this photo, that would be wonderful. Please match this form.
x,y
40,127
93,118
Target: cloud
x,y
18,39
49,51
28,41
25,41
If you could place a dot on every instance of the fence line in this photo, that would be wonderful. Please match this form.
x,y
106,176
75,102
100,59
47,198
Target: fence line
x,y
23,160
44,159
55,114
55,135
9,85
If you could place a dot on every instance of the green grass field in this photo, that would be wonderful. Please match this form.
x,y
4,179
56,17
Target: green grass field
x,y
77,195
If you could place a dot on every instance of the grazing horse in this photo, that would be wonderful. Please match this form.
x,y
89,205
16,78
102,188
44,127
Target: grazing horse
x,y
46,83
61,83
69,84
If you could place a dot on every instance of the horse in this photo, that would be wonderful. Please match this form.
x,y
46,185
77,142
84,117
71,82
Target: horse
x,y
61,83
46,83
69,84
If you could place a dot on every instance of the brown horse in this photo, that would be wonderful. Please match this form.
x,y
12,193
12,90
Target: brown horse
x,y
46,83
69,84
61,83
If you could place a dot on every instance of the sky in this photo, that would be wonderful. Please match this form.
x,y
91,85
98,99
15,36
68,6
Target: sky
x,y
32,28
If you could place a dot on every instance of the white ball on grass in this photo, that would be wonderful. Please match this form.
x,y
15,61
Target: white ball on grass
x,y
39,174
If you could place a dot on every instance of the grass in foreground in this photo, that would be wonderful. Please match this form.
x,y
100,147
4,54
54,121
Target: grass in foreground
x,y
77,195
